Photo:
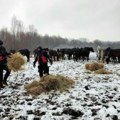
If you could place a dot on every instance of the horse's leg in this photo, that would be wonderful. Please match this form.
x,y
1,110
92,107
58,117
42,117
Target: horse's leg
x,y
88,58
57,57
53,57
83,58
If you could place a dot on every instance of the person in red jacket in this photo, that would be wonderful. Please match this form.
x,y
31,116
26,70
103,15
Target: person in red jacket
x,y
3,65
42,58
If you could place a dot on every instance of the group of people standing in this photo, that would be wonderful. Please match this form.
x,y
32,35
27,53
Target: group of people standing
x,y
42,57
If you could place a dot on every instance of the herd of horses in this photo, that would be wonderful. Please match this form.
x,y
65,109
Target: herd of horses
x,y
104,55
74,53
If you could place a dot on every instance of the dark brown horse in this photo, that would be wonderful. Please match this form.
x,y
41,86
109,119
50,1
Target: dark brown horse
x,y
112,55
84,52
54,54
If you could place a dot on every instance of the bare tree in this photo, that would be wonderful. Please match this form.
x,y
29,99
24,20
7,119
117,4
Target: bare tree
x,y
17,27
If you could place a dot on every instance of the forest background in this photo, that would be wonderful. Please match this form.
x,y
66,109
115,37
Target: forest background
x,y
21,37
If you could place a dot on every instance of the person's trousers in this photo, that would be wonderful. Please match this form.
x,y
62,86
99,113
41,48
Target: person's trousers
x,y
7,73
43,69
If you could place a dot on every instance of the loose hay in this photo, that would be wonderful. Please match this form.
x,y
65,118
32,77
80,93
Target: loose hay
x,y
48,83
36,90
102,71
94,66
15,62
33,84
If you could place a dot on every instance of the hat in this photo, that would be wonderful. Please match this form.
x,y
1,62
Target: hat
x,y
39,48
1,42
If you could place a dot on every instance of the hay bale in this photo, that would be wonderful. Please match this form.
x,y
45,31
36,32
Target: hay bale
x,y
48,83
102,71
94,66
15,62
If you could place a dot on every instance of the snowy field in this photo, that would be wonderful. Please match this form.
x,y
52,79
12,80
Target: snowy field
x,y
94,97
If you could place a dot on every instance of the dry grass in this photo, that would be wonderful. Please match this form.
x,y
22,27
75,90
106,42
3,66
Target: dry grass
x,y
33,84
15,62
102,71
94,66
36,90
48,83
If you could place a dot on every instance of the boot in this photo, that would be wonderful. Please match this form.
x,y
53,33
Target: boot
x,y
1,85
5,83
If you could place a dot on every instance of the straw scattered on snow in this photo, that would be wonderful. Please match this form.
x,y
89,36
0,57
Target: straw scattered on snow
x,y
102,71
94,66
48,83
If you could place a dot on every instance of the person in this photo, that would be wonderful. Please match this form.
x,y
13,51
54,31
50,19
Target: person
x,y
43,58
3,65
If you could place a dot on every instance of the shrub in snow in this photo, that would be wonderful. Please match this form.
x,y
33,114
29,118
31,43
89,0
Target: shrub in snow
x,y
15,62
48,83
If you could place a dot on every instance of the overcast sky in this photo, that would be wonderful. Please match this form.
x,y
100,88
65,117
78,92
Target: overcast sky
x,y
92,19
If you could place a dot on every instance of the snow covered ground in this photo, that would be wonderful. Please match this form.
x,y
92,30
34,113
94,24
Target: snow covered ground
x,y
94,97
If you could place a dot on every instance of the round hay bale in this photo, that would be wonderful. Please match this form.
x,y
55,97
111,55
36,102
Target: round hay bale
x,y
15,62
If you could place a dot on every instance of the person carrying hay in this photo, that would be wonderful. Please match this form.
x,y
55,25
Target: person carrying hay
x,y
3,65
42,57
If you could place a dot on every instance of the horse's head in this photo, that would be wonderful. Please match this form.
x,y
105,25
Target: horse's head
x,y
108,49
91,49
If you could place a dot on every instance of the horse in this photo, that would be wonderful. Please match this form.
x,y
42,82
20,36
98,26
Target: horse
x,y
84,52
113,55
54,54
101,54
25,52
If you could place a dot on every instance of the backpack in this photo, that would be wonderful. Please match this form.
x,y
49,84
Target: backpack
x,y
42,58
2,55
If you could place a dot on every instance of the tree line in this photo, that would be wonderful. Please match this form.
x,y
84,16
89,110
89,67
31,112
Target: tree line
x,y
19,37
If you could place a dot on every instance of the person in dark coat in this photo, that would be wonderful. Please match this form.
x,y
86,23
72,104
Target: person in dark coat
x,y
43,58
3,65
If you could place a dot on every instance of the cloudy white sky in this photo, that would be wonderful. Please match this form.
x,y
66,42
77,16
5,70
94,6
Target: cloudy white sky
x,y
92,19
